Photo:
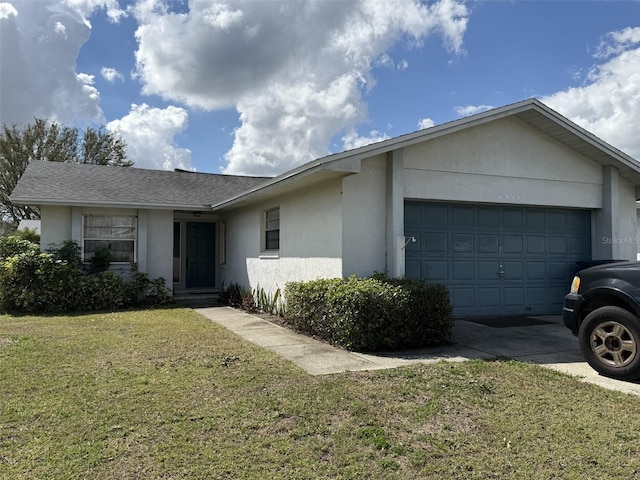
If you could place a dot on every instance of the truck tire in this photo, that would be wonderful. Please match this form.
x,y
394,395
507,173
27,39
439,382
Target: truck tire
x,y
610,342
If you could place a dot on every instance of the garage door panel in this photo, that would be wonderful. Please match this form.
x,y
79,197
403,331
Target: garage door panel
x,y
462,270
557,221
557,245
512,218
536,244
412,215
498,260
463,297
512,270
536,220
577,245
556,295
435,243
462,243
412,269
463,217
489,217
577,221
488,270
436,270
412,249
536,270
538,296
488,244
512,244
558,270
513,296
435,215
489,297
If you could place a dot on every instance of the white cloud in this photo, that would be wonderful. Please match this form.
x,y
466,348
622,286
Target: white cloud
x,y
608,104
221,16
111,74
295,71
425,123
39,45
7,10
60,29
352,140
150,136
87,7
616,43
472,110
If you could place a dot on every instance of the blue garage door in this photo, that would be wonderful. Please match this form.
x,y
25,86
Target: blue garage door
x,y
497,260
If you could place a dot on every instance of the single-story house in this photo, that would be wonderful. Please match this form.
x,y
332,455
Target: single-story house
x,y
498,207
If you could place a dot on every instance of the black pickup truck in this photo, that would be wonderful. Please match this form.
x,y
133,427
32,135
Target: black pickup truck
x,y
603,310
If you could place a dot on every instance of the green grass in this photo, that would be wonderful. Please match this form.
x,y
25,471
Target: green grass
x,y
167,394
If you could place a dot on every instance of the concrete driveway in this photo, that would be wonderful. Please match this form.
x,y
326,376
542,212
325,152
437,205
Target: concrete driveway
x,y
543,340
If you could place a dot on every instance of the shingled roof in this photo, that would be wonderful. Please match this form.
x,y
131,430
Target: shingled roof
x,y
55,183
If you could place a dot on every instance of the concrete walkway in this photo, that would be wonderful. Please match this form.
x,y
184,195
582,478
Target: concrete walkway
x,y
550,344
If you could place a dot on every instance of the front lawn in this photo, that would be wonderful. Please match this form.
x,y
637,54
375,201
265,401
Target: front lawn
x,y
168,394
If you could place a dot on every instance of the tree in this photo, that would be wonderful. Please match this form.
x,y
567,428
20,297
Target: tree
x,y
51,142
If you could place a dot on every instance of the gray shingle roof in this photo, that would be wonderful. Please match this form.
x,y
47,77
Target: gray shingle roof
x,y
74,184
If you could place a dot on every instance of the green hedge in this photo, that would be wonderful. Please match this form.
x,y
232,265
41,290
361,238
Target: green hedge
x,y
371,314
54,281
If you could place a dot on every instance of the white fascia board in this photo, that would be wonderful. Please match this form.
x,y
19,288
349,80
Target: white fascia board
x,y
589,137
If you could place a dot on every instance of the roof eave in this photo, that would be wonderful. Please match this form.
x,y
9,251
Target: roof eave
x,y
110,204
291,181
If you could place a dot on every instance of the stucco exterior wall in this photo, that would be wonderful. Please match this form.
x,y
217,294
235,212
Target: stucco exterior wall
x,y
55,226
159,245
364,219
310,240
637,234
504,162
627,244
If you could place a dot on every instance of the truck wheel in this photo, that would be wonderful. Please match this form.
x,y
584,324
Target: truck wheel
x,y
610,342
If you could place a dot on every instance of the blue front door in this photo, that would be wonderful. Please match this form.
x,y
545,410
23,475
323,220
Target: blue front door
x,y
497,260
200,255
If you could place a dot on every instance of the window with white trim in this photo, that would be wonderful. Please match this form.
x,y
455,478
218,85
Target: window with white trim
x,y
116,232
272,229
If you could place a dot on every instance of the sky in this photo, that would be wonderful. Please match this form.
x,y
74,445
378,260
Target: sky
x,y
259,87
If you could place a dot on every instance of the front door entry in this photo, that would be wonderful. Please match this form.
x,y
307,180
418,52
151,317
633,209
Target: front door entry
x,y
200,255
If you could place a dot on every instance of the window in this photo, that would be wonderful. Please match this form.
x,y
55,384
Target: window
x,y
116,232
272,229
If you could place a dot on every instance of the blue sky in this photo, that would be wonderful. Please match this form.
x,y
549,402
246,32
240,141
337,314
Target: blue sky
x,y
262,86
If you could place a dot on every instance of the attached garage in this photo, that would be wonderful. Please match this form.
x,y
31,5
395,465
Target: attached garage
x,y
497,260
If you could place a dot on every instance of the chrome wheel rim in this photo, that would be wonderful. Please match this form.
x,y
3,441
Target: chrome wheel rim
x,y
613,344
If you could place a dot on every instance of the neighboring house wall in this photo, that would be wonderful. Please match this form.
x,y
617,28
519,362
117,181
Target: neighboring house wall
x,y
310,240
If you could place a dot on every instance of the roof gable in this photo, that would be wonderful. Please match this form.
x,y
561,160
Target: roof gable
x,y
531,111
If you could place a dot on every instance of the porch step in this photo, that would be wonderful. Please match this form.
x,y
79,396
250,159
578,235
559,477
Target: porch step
x,y
197,300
